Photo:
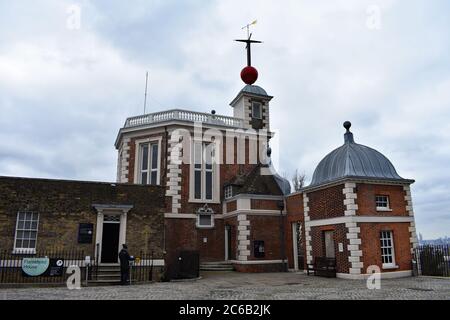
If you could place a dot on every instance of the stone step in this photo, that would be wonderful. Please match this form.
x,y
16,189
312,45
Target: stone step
x,y
216,268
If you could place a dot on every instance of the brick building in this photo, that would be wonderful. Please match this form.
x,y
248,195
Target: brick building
x,y
357,210
200,181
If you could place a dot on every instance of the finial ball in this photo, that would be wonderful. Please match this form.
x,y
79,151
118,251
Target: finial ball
x,y
213,112
347,125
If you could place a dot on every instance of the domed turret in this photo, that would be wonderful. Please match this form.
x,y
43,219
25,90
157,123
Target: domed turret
x,y
353,160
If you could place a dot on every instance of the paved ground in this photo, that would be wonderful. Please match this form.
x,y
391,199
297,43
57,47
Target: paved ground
x,y
250,286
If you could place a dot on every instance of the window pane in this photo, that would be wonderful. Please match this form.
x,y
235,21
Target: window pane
x,y
34,225
27,225
32,244
33,235
144,164
25,243
198,184
205,220
198,155
18,243
208,185
153,177
28,216
19,234
144,178
21,224
154,156
256,110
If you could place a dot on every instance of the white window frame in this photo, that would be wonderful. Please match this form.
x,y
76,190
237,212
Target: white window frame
x,y
205,211
21,249
259,104
201,226
215,170
382,208
228,192
387,235
138,160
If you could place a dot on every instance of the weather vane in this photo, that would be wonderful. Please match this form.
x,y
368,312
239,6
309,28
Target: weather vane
x,y
249,74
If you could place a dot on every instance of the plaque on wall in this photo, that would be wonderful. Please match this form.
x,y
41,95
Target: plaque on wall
x,y
85,232
258,249
55,268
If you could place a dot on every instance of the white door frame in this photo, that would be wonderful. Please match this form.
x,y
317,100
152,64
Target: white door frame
x,y
295,244
103,210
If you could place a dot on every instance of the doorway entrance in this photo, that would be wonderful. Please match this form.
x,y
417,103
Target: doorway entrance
x,y
328,237
110,241
228,246
297,245
111,230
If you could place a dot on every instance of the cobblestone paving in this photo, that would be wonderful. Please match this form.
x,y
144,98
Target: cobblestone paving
x,y
242,286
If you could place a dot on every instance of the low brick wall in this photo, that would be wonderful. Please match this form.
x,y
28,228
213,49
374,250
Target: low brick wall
x,y
62,205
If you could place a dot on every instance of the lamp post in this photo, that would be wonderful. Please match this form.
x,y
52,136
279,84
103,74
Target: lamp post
x,y
280,205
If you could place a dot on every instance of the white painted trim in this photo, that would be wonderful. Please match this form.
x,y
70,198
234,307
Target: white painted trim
x,y
256,261
384,275
358,219
26,250
180,216
110,210
254,197
156,262
215,173
137,159
253,213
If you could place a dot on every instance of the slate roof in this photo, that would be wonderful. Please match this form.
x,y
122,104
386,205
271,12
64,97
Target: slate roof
x,y
257,181
356,161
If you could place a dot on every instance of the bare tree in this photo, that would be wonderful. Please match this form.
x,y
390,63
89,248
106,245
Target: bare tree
x,y
298,180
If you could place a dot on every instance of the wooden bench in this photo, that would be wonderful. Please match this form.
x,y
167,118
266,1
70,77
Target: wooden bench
x,y
324,267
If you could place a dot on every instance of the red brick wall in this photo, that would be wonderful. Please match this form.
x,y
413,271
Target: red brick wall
x,y
370,238
182,234
231,206
366,199
267,229
257,204
340,236
326,203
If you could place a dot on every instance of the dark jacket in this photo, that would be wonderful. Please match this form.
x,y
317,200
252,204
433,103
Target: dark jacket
x,y
124,258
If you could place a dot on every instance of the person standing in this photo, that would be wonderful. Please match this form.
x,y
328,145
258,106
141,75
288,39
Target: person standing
x,y
125,259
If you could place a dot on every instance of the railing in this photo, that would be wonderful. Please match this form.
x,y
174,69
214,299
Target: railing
x,y
143,270
183,115
432,260
11,266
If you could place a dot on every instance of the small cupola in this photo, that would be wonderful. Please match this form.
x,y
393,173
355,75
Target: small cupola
x,y
252,105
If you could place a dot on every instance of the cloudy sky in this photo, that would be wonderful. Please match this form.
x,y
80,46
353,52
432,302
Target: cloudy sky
x,y
72,71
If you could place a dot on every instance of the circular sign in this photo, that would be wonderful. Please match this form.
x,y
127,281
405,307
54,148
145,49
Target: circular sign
x,y
35,266
59,263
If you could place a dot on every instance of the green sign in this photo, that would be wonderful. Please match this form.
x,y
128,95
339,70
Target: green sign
x,y
35,266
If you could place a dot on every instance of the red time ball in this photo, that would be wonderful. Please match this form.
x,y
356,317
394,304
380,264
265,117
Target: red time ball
x,y
249,75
